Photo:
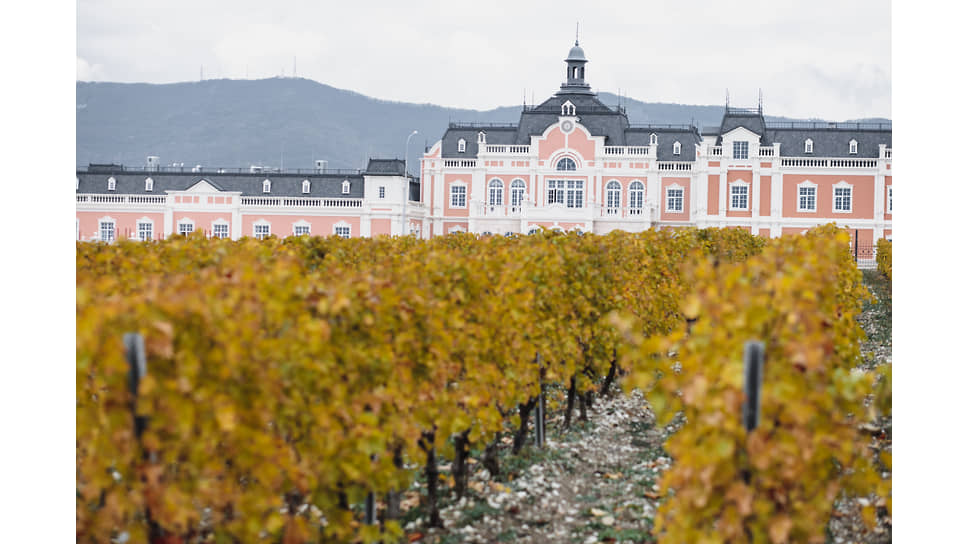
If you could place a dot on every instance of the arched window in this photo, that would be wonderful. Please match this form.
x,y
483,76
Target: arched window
x,y
495,194
517,194
613,197
305,186
461,145
149,185
266,186
568,108
653,139
808,146
636,197
677,148
112,183
486,233
482,137
566,164
534,229
346,186
853,147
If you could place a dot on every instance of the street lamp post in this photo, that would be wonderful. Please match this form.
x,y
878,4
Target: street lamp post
x,y
406,185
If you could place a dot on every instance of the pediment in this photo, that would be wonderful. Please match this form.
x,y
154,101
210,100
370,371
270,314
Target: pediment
x,y
741,133
203,186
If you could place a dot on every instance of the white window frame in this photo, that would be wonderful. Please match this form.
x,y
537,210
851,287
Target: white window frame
x,y
613,197
221,223
676,148
853,147
800,197
741,149
151,229
184,221
306,185
458,195
568,109
518,189
495,193
149,185
636,197
808,146
534,229
112,183
346,186
890,199
739,184
301,224
381,191
653,139
456,228
343,229
100,229
681,198
561,161
461,145
259,224
266,186
850,197
482,137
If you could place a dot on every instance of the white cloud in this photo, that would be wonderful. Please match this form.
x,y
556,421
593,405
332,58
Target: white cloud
x,y
89,72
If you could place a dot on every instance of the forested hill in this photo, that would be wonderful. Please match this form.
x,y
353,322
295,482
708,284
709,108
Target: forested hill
x,y
285,122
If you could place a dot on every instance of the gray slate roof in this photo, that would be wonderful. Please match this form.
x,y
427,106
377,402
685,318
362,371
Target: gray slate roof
x,y
283,184
830,142
667,137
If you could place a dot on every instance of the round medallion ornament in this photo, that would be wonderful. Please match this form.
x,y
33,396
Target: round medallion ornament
x,y
567,126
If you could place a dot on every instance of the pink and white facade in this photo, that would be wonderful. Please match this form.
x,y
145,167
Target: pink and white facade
x,y
569,163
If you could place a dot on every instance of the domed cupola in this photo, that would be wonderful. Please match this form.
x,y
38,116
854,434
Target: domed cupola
x,y
575,76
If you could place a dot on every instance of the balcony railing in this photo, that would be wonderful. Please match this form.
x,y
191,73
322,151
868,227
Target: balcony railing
x,y
120,199
715,151
766,152
614,212
630,150
675,166
801,162
508,149
302,202
460,163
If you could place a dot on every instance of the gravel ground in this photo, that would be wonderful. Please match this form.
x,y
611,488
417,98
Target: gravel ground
x,y
597,482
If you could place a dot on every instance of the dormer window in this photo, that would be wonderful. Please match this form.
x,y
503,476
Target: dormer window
x,y
677,148
808,146
305,186
149,185
853,147
266,186
346,186
461,145
568,108
482,137
112,183
653,139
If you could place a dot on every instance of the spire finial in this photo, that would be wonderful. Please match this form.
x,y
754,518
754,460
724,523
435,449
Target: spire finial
x,y
576,32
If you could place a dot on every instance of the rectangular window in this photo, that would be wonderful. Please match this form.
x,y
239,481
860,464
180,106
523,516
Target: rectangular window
x,y
299,230
261,231
145,231
842,199
556,191
383,192
890,199
342,231
741,150
739,197
106,231
674,200
185,228
575,196
220,230
458,196
808,199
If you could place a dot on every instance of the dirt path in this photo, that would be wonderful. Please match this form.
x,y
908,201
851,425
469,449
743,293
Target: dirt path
x,y
587,485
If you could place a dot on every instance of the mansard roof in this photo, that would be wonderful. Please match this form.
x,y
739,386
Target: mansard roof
x,y
392,167
833,141
329,185
687,136
750,119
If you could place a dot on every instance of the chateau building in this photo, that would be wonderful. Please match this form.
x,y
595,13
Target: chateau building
x,y
570,163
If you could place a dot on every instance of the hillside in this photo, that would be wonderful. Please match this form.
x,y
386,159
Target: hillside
x,y
285,122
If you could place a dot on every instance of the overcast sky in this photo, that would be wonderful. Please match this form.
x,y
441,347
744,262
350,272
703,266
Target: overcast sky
x,y
826,58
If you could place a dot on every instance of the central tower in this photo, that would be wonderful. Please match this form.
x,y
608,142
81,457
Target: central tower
x,y
575,75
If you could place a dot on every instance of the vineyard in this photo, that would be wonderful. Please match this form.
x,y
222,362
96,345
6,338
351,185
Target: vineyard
x,y
295,388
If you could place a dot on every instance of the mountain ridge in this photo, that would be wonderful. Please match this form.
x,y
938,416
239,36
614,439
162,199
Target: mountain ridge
x,y
288,122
